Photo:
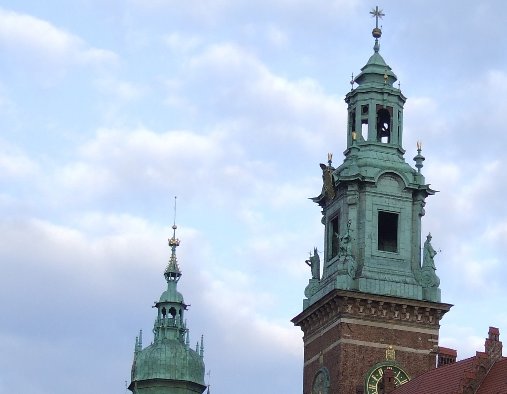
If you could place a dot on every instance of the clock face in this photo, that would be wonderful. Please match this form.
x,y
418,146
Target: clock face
x,y
375,383
320,383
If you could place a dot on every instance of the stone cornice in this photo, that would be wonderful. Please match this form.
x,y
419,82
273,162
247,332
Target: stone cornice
x,y
370,307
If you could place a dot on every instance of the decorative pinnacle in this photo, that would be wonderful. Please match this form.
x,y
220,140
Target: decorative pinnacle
x,y
419,158
352,82
329,159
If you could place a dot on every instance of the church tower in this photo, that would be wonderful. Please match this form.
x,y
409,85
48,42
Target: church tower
x,y
371,320
169,365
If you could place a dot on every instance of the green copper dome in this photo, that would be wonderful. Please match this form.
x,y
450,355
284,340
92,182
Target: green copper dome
x,y
169,359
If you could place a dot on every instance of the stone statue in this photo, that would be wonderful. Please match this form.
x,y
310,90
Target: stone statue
x,y
345,243
428,253
429,278
314,263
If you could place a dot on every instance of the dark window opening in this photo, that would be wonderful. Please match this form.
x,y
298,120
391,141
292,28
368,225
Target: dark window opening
x,y
399,126
164,312
383,125
172,311
335,236
352,121
387,231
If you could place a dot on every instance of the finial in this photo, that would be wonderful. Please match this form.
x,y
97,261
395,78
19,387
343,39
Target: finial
x,y
329,159
419,158
209,381
352,82
399,85
202,346
376,32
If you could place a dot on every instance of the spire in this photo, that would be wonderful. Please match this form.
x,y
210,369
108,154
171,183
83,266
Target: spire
x,y
376,32
172,272
201,353
139,342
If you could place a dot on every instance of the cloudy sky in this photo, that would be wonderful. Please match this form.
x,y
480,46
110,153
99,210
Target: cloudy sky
x,y
108,109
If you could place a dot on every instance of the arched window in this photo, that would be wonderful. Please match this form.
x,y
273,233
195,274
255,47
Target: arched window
x,y
383,125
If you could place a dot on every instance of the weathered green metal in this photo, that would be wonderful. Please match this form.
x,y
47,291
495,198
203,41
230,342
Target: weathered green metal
x,y
373,202
169,365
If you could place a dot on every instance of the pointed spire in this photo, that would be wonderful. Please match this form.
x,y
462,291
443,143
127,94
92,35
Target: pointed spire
x,y
202,347
172,272
197,347
139,342
209,382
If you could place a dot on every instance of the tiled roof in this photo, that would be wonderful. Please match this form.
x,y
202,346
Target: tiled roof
x,y
443,380
496,379
450,379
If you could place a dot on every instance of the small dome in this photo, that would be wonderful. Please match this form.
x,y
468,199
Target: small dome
x,y
171,294
169,359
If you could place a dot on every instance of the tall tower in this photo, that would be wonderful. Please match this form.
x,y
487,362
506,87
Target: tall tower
x,y
371,321
169,365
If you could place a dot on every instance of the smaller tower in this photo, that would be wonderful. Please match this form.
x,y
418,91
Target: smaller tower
x,y
169,365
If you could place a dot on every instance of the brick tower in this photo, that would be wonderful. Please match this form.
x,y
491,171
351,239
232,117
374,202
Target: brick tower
x,y
371,320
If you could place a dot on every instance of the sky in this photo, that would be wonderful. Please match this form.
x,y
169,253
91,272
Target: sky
x,y
109,109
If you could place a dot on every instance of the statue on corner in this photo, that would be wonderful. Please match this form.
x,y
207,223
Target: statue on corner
x,y
314,263
429,277
313,283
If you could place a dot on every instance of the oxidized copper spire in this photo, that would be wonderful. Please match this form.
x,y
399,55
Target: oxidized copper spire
x,y
172,272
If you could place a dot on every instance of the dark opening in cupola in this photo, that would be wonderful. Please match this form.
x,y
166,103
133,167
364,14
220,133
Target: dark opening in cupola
x,y
335,236
387,231
383,125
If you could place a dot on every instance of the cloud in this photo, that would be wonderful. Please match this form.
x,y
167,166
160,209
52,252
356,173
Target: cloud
x,y
179,42
14,163
36,44
268,109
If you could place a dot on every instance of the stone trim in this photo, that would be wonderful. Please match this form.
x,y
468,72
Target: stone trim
x,y
366,344
430,331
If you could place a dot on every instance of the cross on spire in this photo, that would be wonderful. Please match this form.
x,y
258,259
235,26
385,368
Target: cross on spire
x,y
377,14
